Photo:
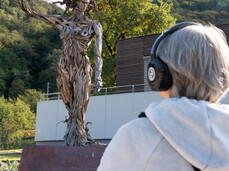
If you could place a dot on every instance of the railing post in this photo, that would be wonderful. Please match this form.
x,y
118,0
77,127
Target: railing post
x,y
58,96
106,91
48,86
133,90
47,91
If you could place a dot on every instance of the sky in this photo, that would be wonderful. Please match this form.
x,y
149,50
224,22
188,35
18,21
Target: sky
x,y
50,1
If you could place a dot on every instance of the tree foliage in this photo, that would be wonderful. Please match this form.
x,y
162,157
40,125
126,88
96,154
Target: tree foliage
x,y
17,118
25,45
124,19
15,115
204,11
30,97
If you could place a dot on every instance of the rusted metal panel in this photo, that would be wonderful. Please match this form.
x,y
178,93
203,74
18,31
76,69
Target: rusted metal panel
x,y
60,158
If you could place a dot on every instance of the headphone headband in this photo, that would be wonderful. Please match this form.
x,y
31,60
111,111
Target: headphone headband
x,y
169,31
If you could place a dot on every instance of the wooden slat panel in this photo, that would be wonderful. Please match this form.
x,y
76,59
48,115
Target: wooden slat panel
x,y
129,61
148,43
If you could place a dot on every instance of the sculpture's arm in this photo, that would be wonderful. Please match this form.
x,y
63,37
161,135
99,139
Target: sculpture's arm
x,y
54,20
98,57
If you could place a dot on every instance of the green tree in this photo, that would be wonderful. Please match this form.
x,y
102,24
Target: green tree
x,y
50,73
124,19
14,115
30,97
18,87
2,82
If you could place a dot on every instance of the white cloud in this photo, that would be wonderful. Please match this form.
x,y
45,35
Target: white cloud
x,y
51,1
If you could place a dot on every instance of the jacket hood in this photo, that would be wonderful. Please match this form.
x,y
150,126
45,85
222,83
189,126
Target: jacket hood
x,y
198,130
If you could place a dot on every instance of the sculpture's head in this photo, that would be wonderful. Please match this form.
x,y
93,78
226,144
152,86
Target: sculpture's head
x,y
82,5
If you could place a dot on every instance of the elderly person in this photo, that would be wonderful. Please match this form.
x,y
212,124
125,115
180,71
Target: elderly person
x,y
189,129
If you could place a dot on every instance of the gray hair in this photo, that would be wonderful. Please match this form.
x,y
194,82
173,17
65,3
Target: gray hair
x,y
198,58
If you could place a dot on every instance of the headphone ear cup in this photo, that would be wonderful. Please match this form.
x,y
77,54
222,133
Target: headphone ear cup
x,y
158,75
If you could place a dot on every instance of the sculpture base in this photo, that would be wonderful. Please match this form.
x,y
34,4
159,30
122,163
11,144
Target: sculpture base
x,y
58,158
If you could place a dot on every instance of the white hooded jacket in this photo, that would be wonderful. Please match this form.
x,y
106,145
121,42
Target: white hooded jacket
x,y
177,133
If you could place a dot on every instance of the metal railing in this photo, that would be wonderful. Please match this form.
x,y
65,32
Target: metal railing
x,y
103,91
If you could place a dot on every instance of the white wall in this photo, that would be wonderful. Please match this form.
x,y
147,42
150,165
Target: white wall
x,y
107,113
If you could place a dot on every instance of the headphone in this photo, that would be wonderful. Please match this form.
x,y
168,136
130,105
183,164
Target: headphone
x,y
158,74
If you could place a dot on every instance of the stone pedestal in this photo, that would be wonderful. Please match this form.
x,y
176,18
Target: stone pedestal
x,y
60,158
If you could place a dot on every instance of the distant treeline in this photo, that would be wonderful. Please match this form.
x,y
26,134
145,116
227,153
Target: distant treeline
x,y
29,50
204,11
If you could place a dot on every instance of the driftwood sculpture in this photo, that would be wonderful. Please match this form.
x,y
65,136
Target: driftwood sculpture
x,y
74,70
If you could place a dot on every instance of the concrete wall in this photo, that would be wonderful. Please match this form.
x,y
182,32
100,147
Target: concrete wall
x,y
107,113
